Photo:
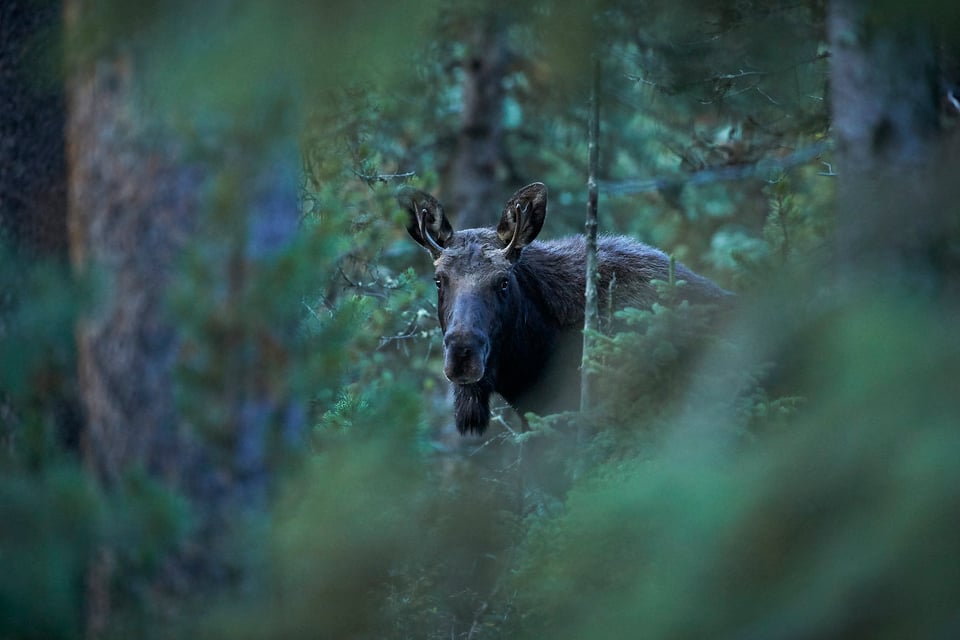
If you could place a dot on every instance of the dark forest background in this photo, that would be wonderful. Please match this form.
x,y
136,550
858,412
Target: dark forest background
x,y
222,412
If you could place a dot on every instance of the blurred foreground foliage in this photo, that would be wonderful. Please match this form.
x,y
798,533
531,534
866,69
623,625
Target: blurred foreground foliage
x,y
836,525
783,469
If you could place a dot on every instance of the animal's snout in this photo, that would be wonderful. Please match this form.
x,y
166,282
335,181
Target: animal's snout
x,y
465,356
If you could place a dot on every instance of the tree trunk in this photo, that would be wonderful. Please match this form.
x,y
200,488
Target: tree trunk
x,y
136,211
131,208
130,212
33,192
33,181
472,184
591,318
884,92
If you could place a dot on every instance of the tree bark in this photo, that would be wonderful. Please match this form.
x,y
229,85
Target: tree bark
x,y
472,186
591,318
136,210
131,208
884,102
33,209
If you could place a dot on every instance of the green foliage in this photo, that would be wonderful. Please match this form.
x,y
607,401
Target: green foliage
x,y
49,524
52,524
371,540
794,235
339,532
54,516
37,385
652,359
840,525
146,521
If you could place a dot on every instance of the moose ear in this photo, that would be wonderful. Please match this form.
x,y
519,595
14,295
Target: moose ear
x,y
427,223
523,218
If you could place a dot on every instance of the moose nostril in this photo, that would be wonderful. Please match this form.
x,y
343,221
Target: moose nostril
x,y
465,344
461,340
460,350
465,356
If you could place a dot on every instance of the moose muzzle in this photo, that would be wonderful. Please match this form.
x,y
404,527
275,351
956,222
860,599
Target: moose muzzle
x,y
465,356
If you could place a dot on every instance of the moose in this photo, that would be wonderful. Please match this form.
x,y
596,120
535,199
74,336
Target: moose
x,y
511,308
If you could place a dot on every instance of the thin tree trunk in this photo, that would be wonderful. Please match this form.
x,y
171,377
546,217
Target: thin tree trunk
x,y
591,321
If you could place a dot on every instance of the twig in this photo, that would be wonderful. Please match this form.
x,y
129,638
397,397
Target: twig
x,y
728,94
371,179
761,92
476,620
829,171
488,441
505,424
367,291
312,312
407,334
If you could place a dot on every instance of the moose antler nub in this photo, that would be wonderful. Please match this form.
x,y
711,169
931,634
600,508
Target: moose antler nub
x,y
517,223
421,221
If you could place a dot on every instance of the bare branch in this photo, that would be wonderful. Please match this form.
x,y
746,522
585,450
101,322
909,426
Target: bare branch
x,y
371,179
720,174
411,331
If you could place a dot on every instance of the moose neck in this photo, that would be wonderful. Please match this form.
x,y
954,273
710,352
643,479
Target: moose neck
x,y
551,274
544,330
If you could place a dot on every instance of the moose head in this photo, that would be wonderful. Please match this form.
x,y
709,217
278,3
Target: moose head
x,y
479,298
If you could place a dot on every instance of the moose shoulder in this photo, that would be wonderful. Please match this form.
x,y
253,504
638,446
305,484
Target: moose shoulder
x,y
511,308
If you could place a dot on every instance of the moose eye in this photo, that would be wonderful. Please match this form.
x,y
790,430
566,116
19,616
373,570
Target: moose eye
x,y
504,285
438,282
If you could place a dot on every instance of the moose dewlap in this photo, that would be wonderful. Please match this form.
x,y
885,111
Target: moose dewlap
x,y
511,308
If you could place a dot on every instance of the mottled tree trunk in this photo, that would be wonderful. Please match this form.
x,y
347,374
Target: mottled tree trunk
x,y
131,207
139,203
883,85
472,178
130,211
